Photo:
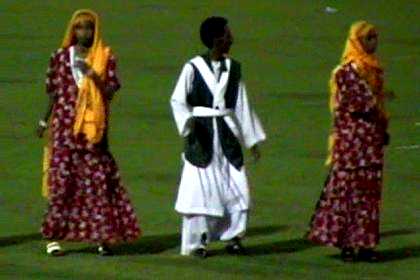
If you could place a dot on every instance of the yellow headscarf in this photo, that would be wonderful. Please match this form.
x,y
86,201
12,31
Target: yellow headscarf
x,y
90,107
368,67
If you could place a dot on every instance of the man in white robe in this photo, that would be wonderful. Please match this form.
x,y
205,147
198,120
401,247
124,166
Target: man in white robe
x,y
211,110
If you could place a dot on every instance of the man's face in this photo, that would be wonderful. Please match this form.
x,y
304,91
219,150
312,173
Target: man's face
x,y
224,42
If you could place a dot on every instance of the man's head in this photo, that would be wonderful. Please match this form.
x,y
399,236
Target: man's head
x,y
216,35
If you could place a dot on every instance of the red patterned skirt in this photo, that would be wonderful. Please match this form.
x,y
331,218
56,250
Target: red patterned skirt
x,y
347,214
87,201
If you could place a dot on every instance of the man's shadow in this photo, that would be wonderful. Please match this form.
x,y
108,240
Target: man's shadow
x,y
278,247
155,244
148,244
396,254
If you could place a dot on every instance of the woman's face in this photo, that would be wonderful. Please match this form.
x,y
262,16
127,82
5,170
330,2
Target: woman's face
x,y
84,31
370,41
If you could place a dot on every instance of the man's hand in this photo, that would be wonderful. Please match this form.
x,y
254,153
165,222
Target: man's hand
x,y
256,154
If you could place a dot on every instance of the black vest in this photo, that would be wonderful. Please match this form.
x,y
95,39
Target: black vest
x,y
199,143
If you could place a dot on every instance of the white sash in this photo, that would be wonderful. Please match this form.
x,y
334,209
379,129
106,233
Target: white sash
x,y
210,112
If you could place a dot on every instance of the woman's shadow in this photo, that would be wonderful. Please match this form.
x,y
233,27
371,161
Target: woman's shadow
x,y
19,239
396,254
301,244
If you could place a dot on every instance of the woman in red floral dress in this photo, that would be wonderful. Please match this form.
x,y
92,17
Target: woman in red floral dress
x,y
347,214
87,201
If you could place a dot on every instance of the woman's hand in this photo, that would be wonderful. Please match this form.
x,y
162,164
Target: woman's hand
x,y
86,69
90,73
390,95
42,126
82,65
387,139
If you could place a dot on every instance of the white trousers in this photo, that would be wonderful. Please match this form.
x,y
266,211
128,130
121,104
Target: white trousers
x,y
215,228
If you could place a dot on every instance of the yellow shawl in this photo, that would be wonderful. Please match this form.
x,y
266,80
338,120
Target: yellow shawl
x,y
90,116
368,67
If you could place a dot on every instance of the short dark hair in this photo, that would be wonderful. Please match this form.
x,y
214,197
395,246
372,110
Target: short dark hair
x,y
212,27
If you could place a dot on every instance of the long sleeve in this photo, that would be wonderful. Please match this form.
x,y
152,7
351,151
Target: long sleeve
x,y
51,80
250,125
181,110
111,78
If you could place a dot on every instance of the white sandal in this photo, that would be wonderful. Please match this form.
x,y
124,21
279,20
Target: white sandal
x,y
54,249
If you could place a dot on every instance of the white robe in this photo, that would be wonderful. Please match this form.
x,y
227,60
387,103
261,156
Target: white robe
x,y
219,188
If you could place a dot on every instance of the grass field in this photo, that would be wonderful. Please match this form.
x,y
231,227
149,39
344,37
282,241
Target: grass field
x,y
287,49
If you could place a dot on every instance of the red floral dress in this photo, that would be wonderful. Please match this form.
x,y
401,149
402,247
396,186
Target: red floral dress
x,y
87,201
347,214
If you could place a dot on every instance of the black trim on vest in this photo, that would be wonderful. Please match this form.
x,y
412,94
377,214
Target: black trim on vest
x,y
199,143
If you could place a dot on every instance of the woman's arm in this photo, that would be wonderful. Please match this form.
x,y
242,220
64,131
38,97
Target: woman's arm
x,y
43,122
50,84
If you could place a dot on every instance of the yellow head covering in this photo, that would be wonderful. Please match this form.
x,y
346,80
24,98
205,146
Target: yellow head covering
x,y
90,106
368,67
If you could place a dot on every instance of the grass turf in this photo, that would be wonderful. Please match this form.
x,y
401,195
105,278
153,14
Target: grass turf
x,y
287,49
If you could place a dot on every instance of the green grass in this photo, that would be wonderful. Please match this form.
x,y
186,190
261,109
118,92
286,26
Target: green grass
x,y
287,49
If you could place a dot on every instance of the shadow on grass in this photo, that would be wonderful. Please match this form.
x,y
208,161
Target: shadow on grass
x,y
155,244
152,244
278,247
402,253
396,232
19,239
396,254
266,230
301,244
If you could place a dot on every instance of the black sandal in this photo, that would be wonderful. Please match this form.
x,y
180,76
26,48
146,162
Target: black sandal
x,y
368,255
347,255
201,253
234,247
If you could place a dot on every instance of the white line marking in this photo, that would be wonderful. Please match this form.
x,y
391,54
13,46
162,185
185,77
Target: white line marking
x,y
408,147
403,57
